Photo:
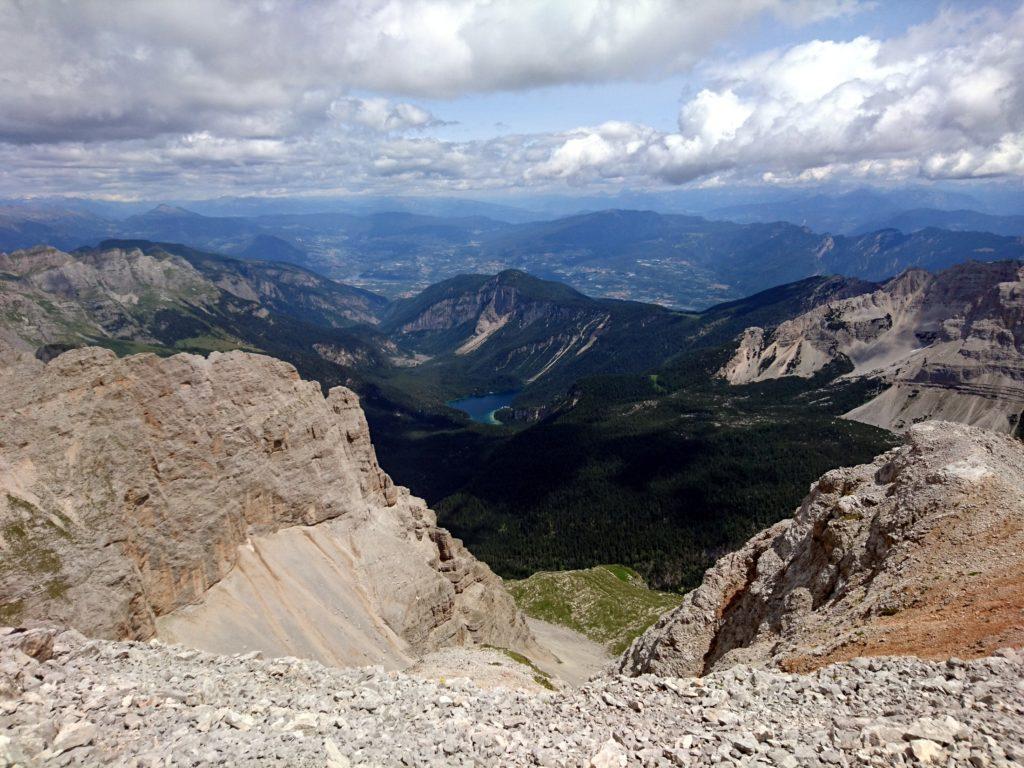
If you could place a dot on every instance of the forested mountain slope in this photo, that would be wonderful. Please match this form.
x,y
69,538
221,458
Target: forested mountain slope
x,y
661,471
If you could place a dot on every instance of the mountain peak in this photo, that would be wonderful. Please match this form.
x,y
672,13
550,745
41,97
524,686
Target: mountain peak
x,y
170,210
513,274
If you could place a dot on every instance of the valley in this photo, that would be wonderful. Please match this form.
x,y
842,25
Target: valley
x,y
592,430
503,384
610,604
613,431
550,432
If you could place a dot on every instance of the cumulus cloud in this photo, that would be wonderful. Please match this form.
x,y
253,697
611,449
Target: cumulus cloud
x,y
293,95
382,115
944,101
100,69
606,152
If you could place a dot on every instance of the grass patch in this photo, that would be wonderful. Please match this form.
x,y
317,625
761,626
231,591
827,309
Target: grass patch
x,y
34,514
10,613
610,604
540,677
27,552
209,343
25,534
22,505
125,347
622,573
57,589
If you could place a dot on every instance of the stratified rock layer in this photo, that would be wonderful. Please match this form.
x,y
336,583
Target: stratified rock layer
x,y
949,346
225,503
920,552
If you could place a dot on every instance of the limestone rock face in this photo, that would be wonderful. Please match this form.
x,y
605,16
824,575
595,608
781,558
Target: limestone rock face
x,y
225,503
949,346
918,553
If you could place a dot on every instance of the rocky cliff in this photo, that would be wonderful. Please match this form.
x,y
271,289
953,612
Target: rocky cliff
x,y
948,345
919,553
529,325
223,502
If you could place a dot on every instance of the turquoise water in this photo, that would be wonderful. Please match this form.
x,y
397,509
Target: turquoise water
x,y
481,409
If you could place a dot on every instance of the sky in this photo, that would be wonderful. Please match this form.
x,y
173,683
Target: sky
x,y
169,98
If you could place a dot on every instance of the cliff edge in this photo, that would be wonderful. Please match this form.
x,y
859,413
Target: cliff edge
x,y
224,503
919,553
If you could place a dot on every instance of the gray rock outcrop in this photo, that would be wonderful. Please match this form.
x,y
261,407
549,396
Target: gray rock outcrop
x,y
48,295
223,502
920,553
947,346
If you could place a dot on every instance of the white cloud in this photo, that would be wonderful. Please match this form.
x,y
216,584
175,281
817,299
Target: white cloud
x,y
380,114
223,96
104,69
714,117
945,101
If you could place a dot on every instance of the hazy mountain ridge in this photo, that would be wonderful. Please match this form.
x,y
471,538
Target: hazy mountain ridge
x,y
960,220
28,225
868,209
673,259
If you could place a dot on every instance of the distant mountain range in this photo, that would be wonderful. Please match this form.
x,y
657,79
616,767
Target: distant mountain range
x,y
844,213
672,259
962,220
